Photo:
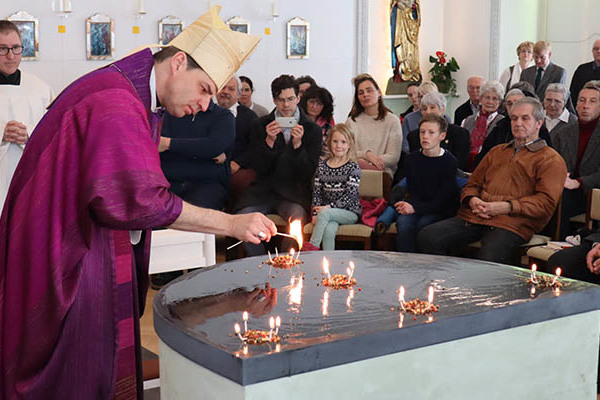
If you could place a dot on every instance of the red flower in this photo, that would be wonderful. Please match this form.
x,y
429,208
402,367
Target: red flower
x,y
440,54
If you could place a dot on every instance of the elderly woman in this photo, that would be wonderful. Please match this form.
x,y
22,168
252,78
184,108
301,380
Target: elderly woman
x,y
317,102
512,74
376,129
246,97
482,123
457,139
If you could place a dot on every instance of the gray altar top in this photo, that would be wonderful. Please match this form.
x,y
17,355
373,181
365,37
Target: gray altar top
x,y
322,327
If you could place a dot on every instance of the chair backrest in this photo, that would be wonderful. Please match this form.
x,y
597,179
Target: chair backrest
x,y
374,184
595,205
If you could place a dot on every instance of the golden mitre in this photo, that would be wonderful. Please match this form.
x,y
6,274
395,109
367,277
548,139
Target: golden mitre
x,y
215,47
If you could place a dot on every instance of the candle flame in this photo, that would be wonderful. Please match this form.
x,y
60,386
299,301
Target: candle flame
x,y
533,267
292,252
326,267
245,316
272,323
237,328
350,270
430,296
532,291
278,321
296,231
558,271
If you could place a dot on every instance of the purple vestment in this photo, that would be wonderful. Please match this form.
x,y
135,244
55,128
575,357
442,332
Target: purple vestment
x,y
69,278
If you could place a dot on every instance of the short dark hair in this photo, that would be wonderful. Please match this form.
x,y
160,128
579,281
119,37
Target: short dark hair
x,y
169,52
411,84
7,26
283,82
316,92
248,81
307,79
526,88
438,119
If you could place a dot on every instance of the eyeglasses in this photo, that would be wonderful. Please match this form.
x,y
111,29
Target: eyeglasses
x,y
16,50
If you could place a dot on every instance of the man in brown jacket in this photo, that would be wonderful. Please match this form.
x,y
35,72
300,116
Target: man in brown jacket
x,y
511,195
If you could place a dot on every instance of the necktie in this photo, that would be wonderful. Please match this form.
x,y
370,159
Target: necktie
x,y
538,77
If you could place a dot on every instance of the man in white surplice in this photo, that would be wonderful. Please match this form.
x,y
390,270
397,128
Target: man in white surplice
x,y
23,101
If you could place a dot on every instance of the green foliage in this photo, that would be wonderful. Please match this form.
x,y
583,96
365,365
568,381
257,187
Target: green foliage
x,y
441,72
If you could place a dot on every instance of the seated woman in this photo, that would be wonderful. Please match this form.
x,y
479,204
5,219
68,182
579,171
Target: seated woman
x,y
376,129
246,97
512,74
317,102
481,124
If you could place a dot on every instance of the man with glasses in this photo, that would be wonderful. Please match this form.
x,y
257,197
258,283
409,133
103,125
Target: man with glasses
x,y
284,151
23,101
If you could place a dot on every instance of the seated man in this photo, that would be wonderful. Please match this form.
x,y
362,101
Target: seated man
x,y
579,145
284,151
502,132
457,140
194,152
471,106
557,114
241,174
510,196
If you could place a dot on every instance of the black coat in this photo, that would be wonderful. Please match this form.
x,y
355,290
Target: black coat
x,y
243,125
282,169
457,142
462,112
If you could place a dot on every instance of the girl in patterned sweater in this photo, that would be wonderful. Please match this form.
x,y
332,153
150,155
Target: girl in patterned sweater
x,y
335,191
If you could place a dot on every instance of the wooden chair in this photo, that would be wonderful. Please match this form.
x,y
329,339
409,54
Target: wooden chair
x,y
373,184
541,254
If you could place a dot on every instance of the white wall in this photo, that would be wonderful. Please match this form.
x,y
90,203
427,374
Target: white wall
x,y
332,39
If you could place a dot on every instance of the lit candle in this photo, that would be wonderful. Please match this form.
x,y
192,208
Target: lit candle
x,y
276,252
296,233
237,331
272,326
557,274
245,318
326,267
277,324
533,269
325,309
430,297
350,270
269,253
401,297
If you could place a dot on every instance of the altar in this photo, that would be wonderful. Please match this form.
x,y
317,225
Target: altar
x,y
492,336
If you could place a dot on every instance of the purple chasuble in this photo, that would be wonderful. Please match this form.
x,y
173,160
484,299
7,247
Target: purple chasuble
x,y
71,284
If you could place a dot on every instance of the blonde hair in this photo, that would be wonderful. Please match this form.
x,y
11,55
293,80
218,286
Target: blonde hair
x,y
542,46
523,45
347,133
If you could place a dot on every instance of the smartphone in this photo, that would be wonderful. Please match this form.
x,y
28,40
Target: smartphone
x,y
286,122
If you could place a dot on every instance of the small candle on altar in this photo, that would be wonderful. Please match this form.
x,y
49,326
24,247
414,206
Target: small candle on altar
x,y
533,269
237,329
401,296
430,297
292,252
557,274
276,252
350,271
269,253
325,309
272,326
277,324
245,318
326,267
401,320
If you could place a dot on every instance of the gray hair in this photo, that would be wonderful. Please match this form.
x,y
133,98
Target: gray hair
x,y
239,84
594,85
513,92
434,98
538,109
494,86
427,87
558,88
